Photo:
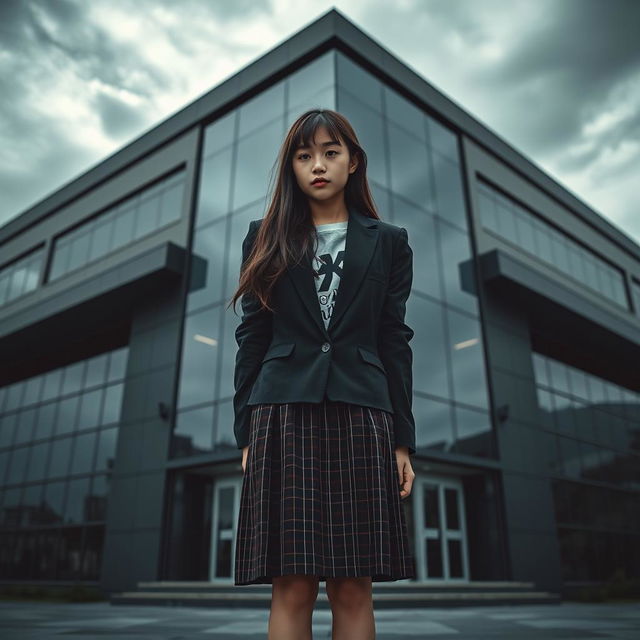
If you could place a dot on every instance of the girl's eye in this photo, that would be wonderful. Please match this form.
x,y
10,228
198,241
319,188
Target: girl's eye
x,y
302,156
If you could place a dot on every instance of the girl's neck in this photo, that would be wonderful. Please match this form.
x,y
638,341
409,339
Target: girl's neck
x,y
328,219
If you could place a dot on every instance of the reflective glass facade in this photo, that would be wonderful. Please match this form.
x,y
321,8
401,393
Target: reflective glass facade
x,y
549,464
635,291
20,277
58,434
589,429
415,176
132,219
530,233
239,152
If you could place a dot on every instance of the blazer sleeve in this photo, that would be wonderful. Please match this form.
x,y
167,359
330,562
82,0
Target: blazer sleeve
x,y
253,336
393,342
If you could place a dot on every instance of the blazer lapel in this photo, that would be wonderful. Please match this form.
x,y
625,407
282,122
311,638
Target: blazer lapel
x,y
360,243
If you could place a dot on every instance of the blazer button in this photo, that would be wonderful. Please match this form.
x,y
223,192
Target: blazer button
x,y
326,346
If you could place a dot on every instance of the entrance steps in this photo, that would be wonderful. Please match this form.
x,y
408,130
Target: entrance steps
x,y
397,595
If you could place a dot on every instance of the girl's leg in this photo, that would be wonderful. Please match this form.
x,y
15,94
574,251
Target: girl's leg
x,y
292,600
352,607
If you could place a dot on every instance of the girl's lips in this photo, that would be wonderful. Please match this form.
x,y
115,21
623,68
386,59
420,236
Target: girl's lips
x,y
319,184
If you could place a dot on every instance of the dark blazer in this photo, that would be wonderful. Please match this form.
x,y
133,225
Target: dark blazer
x,y
363,357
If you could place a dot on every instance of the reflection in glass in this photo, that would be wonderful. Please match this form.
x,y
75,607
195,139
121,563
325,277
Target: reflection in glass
x,y
200,350
448,191
214,191
369,126
467,360
207,266
475,436
434,428
306,81
129,220
256,160
193,432
537,237
20,277
430,364
457,268
219,134
77,498
257,112
359,83
411,170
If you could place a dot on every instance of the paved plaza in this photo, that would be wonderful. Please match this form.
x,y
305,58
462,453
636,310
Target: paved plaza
x,y
569,621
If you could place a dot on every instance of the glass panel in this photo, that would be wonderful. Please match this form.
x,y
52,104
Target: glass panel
x,y
119,225
451,508
443,140
434,425
454,548
255,160
370,129
82,461
422,239
226,500
257,112
457,268
435,568
540,239
307,80
359,82
219,134
77,498
405,114
467,359
106,449
207,265
92,560
449,191
193,432
430,364
200,350
215,187
112,404
431,506
411,171
70,553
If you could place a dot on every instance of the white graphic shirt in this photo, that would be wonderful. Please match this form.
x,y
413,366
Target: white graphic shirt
x,y
328,262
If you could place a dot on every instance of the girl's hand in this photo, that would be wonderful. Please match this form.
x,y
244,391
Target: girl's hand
x,y
405,471
245,453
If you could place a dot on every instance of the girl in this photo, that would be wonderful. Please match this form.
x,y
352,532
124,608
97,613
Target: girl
x,y
323,387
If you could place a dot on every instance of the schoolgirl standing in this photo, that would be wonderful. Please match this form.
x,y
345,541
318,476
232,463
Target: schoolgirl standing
x,y
323,388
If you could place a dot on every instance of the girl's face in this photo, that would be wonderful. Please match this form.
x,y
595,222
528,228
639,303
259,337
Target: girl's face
x,y
326,158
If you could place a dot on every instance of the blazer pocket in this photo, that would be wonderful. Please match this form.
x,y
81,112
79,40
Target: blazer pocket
x,y
281,350
371,358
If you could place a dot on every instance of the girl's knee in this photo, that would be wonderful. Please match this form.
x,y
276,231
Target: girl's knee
x,y
349,592
295,591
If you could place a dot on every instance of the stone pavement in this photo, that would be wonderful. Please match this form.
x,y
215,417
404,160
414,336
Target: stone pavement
x,y
567,621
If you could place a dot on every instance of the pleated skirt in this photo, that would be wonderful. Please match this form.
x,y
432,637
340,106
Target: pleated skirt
x,y
321,495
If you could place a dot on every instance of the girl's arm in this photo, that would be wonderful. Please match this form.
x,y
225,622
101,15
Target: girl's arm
x,y
393,342
253,336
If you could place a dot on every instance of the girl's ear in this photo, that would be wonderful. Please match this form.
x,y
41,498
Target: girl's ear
x,y
353,165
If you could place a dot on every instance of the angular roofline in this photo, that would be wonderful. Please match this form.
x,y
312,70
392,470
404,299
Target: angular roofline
x,y
331,30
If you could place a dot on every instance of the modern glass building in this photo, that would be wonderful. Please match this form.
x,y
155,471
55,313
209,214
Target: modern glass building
x,y
117,457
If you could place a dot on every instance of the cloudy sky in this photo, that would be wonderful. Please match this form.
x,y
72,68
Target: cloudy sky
x,y
557,79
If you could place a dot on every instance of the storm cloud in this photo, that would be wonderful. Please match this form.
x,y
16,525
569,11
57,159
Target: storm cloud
x,y
558,80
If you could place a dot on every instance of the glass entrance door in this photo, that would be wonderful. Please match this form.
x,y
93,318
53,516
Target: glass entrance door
x,y
440,529
225,506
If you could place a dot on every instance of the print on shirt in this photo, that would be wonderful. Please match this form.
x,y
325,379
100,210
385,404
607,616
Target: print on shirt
x,y
330,271
328,263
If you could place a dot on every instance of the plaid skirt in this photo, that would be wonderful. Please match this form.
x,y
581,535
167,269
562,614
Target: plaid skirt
x,y
321,495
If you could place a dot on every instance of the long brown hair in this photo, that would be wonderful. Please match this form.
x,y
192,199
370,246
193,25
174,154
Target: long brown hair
x,y
287,231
